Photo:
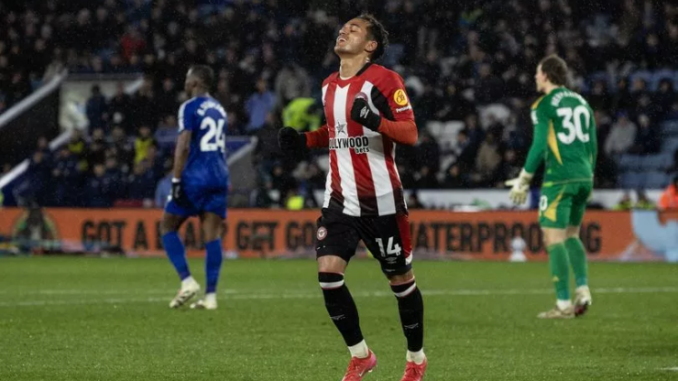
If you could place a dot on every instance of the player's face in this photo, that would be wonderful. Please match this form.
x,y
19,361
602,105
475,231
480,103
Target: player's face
x,y
540,79
352,38
190,84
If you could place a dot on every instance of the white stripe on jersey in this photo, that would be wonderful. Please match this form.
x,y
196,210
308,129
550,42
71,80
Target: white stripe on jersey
x,y
181,115
328,182
344,160
383,188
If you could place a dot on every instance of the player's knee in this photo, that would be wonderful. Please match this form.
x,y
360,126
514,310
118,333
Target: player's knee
x,y
408,277
330,281
331,264
168,226
573,232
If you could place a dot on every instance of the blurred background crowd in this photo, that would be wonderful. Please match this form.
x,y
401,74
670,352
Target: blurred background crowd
x,y
471,91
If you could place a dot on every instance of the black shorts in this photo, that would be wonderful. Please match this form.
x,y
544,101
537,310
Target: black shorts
x,y
387,238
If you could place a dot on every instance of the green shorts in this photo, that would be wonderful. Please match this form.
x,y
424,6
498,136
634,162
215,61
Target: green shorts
x,y
563,205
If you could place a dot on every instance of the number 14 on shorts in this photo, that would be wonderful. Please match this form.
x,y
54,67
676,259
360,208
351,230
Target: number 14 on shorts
x,y
391,247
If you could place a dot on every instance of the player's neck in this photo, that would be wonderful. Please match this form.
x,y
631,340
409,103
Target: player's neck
x,y
350,66
549,87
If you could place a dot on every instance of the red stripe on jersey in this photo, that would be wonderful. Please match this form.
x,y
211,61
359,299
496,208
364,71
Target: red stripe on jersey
x,y
334,166
399,199
361,167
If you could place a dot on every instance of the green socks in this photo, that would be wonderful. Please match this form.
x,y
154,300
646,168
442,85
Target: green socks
x,y
577,254
560,270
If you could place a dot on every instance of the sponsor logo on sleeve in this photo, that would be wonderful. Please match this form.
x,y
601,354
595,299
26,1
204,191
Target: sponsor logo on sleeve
x,y
400,98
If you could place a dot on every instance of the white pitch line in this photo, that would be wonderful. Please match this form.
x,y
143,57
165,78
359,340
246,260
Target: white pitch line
x,y
674,369
235,295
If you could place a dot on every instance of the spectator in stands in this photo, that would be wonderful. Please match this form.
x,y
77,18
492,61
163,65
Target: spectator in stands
x,y
599,99
488,161
119,107
97,147
154,162
406,176
267,151
428,153
464,151
624,203
643,202
258,106
508,169
647,138
123,149
142,142
35,189
115,174
664,97
454,178
66,178
282,181
302,114
413,201
140,184
622,99
621,136
78,147
99,191
166,134
489,87
163,190
426,178
291,82
97,109
452,105
669,199
166,101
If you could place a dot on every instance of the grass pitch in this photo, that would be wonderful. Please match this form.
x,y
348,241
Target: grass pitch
x,y
77,319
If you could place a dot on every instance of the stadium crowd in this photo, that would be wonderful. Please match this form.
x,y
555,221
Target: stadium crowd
x,y
468,66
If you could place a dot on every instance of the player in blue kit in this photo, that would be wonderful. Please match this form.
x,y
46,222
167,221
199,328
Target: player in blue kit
x,y
199,186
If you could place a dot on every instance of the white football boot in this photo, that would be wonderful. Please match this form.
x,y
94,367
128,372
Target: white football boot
x,y
582,300
209,302
188,290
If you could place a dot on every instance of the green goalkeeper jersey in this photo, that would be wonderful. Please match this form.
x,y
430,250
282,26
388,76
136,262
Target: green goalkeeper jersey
x,y
564,137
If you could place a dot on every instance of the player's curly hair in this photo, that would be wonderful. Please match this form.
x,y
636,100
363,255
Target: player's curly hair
x,y
555,69
375,32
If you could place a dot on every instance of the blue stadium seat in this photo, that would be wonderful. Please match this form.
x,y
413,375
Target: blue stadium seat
x,y
656,180
669,146
629,162
632,180
657,162
642,74
670,128
657,76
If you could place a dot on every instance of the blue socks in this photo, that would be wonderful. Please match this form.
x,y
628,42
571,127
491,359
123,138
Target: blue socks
x,y
213,264
176,253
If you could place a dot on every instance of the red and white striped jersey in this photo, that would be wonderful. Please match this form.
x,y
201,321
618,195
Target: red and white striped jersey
x,y
363,179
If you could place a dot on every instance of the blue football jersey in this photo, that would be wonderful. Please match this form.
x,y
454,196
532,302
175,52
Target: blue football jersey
x,y
206,166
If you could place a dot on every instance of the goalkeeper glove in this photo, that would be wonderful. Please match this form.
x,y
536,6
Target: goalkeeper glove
x,y
291,141
519,187
363,114
178,195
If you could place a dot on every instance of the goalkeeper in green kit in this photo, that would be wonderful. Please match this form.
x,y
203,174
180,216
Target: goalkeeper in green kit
x,y
565,139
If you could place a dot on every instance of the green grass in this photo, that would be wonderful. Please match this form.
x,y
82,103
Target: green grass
x,y
107,319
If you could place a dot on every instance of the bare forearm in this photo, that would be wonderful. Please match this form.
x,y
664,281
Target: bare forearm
x,y
180,158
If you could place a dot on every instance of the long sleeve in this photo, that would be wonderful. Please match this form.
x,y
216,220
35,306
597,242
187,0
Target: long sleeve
x,y
402,132
539,141
319,138
594,143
